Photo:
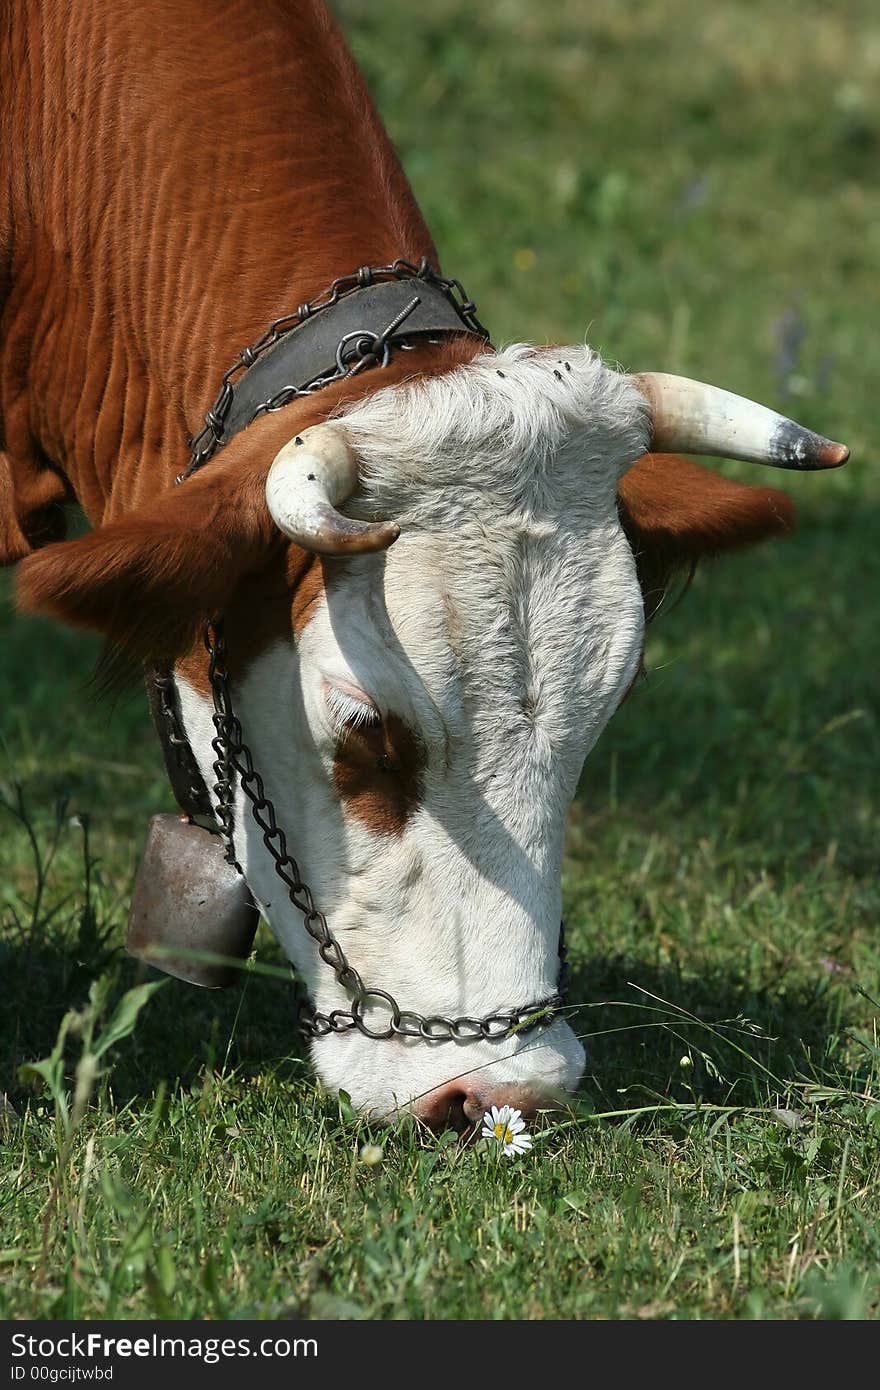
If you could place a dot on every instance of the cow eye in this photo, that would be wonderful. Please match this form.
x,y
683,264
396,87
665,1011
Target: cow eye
x,y
350,710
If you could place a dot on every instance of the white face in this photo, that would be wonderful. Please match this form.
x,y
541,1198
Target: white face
x,y
423,736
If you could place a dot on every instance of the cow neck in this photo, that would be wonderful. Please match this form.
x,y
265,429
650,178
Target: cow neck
x,y
165,210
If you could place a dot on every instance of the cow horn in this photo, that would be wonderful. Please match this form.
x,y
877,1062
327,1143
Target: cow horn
x,y
693,418
312,474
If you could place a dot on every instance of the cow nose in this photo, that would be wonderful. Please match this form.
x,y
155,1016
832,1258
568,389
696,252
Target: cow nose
x,y
461,1103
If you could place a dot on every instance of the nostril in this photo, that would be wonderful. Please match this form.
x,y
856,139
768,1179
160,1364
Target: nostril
x,y
457,1117
445,1108
474,1107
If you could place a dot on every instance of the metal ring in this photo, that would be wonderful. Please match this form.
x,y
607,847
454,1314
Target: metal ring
x,y
363,1001
363,336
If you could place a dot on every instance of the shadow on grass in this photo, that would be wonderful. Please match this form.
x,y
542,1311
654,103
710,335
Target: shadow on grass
x,y
181,1032
658,1034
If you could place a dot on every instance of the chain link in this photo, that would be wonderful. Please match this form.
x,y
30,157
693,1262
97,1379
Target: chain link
x,y
367,348
234,756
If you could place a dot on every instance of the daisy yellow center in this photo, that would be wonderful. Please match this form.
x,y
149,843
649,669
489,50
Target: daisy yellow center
x,y
504,1134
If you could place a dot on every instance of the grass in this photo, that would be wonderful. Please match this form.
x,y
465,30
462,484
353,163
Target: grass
x,y
697,195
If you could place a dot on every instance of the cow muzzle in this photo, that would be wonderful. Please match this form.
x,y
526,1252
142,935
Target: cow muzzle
x,y
462,1103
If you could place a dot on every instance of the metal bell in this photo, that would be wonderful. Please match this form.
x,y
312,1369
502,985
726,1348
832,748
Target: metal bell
x,y
187,896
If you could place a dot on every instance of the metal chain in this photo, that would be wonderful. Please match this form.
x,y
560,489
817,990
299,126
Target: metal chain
x,y
234,756
368,347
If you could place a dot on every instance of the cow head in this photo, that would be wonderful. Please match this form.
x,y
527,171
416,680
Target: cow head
x,y
420,695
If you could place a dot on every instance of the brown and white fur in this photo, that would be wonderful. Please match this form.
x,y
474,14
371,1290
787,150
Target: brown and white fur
x,y
420,715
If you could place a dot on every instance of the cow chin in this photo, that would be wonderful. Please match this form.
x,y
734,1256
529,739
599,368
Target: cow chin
x,y
448,1084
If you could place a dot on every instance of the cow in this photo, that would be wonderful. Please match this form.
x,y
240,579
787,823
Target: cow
x,y
434,565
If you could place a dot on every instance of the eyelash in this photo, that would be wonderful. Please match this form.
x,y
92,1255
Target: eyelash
x,y
350,713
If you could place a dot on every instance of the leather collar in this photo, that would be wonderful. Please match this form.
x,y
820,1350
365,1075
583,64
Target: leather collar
x,y
330,339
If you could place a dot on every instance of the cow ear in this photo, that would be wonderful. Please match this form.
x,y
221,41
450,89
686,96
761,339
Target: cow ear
x,y
676,513
150,580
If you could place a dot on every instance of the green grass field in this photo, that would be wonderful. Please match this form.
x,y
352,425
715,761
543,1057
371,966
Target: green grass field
x,y
695,189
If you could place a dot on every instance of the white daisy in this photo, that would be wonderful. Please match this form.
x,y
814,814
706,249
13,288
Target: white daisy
x,y
506,1125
